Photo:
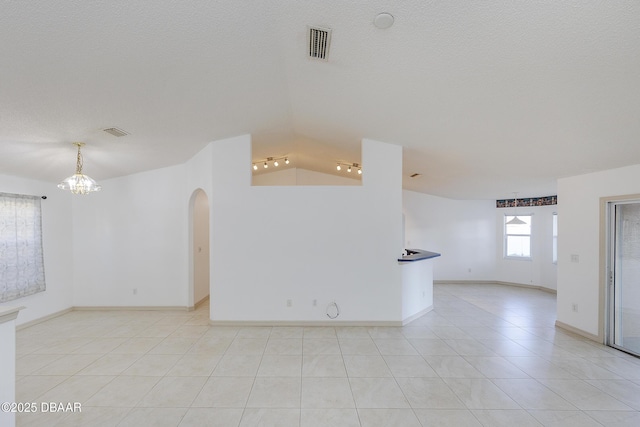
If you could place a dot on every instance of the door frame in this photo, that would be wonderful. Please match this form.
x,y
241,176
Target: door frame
x,y
607,232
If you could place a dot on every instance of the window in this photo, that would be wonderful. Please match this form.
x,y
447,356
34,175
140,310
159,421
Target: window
x,y
21,259
517,236
554,255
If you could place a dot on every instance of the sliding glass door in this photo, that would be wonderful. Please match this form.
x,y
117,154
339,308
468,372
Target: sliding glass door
x,y
624,276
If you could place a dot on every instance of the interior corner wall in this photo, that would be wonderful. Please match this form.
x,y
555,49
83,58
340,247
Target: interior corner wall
x,y
463,231
57,220
579,234
271,245
130,242
540,269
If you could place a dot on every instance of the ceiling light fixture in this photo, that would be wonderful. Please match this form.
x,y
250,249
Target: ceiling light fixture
x,y
79,183
515,220
349,167
265,162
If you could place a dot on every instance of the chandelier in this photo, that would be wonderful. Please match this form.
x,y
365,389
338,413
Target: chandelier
x,y
79,183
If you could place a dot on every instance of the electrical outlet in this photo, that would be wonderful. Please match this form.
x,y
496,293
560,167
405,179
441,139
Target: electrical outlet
x,y
289,303
575,307
575,258
135,291
315,302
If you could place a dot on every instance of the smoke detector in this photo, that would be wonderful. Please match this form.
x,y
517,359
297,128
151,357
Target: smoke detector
x,y
383,20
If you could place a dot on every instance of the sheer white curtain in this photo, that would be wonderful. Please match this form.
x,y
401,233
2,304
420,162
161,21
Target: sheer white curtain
x,y
21,259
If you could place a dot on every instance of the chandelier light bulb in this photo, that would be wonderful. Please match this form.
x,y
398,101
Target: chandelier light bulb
x,y
255,167
286,161
338,167
266,165
276,164
349,169
359,171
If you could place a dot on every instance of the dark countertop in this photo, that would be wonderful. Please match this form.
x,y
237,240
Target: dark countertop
x,y
417,255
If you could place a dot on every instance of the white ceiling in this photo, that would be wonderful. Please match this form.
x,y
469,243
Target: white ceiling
x,y
486,98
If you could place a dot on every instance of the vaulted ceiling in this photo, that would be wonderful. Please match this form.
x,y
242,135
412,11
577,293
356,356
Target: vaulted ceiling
x,y
486,97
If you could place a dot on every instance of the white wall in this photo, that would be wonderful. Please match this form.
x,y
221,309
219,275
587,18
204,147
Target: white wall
x,y
298,176
417,287
540,269
57,220
463,231
133,237
469,235
579,234
8,364
324,243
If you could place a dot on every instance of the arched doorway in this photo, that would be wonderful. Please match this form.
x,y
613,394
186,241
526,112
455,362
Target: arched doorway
x,y
199,248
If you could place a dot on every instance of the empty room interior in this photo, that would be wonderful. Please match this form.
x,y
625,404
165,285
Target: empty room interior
x,y
285,213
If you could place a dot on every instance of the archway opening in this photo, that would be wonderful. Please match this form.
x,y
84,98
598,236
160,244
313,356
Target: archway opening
x,y
199,249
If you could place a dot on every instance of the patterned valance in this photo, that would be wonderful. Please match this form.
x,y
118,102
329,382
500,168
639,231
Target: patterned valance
x,y
528,201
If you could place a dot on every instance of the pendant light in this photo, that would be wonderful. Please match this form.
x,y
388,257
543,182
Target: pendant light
x,y
515,220
79,183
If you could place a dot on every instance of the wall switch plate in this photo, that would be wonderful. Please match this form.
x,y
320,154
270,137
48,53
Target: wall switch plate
x,y
289,303
575,258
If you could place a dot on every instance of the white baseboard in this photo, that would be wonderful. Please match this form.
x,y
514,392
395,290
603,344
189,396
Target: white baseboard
x,y
494,282
303,323
417,315
580,332
130,308
198,304
43,319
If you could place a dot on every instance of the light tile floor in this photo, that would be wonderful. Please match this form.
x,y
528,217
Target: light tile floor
x,y
485,356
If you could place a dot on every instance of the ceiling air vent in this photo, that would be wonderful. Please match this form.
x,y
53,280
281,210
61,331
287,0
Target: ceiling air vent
x,y
319,40
116,132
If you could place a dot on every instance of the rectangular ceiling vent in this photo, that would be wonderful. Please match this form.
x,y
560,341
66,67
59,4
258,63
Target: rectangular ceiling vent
x,y
319,40
116,132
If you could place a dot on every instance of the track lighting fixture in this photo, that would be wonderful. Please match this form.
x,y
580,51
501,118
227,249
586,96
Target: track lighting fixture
x,y
350,167
275,161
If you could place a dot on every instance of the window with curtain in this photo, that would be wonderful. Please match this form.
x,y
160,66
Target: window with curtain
x,y
21,255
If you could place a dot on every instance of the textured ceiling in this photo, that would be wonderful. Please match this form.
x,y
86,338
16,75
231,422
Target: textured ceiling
x,y
486,98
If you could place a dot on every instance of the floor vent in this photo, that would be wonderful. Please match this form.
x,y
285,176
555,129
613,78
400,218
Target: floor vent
x,y
319,40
